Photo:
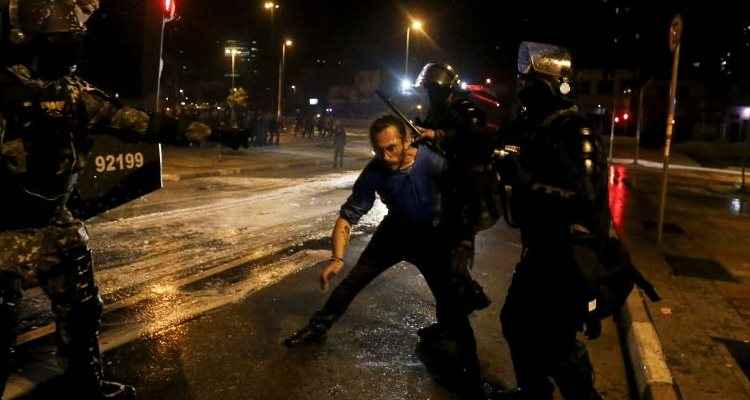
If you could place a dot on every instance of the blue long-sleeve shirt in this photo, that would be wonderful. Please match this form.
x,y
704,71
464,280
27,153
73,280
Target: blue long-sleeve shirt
x,y
412,196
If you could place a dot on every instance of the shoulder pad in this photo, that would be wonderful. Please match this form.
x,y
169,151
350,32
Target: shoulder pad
x,y
580,141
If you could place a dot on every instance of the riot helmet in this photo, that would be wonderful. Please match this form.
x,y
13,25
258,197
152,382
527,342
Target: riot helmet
x,y
49,31
439,81
545,75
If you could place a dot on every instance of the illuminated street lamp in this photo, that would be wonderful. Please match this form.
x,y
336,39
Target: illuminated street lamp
x,y
417,26
405,85
232,51
167,14
282,64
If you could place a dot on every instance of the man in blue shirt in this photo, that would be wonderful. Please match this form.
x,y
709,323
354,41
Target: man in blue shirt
x,y
408,180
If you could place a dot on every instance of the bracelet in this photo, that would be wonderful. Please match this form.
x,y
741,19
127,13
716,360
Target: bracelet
x,y
336,259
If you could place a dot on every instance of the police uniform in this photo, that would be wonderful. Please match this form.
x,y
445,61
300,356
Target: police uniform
x,y
463,136
44,135
559,192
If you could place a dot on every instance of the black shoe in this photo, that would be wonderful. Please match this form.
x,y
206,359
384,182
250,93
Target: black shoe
x,y
308,334
431,333
116,391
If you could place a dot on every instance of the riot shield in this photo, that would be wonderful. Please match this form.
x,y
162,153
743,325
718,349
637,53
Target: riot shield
x,y
115,173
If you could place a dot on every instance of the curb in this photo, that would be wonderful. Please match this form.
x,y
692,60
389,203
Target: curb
x,y
653,379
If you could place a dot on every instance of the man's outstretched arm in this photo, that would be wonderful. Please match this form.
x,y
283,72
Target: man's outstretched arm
x,y
340,239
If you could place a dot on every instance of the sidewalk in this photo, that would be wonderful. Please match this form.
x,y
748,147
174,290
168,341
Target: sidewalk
x,y
701,270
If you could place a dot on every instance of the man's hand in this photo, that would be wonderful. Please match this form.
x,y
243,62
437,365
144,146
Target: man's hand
x,y
327,273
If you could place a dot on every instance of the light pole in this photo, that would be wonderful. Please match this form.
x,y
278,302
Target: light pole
x,y
675,37
231,51
168,14
271,7
416,25
641,94
282,64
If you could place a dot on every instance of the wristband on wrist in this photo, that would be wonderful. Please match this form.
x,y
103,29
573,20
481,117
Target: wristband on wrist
x,y
336,259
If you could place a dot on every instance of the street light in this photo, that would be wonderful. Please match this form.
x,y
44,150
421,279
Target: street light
x,y
405,85
167,15
488,81
231,51
417,26
282,64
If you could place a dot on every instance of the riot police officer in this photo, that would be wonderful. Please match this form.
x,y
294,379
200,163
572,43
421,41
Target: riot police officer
x,y
46,114
458,127
559,194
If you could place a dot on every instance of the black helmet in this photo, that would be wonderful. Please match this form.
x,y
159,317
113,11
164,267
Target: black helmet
x,y
439,81
545,68
437,75
28,18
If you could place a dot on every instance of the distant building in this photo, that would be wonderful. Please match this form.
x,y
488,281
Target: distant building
x,y
357,99
700,114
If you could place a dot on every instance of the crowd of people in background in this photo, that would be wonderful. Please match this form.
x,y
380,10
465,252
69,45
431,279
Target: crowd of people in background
x,y
245,127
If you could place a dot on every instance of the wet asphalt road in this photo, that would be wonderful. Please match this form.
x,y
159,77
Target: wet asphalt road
x,y
215,332
234,352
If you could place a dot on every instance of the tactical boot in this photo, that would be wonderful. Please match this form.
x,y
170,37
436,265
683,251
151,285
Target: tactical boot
x,y
431,333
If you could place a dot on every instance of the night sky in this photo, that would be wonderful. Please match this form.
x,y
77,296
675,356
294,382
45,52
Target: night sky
x,y
480,38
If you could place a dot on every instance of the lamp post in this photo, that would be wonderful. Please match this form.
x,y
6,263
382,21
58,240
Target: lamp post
x,y
282,64
416,25
231,51
168,14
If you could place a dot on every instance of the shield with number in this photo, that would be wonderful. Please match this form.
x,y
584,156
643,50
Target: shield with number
x,y
115,173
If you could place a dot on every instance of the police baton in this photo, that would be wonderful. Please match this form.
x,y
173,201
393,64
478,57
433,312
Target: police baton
x,y
399,114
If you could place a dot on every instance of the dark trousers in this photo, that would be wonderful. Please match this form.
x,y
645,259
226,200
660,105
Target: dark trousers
x,y
392,243
540,320
338,155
